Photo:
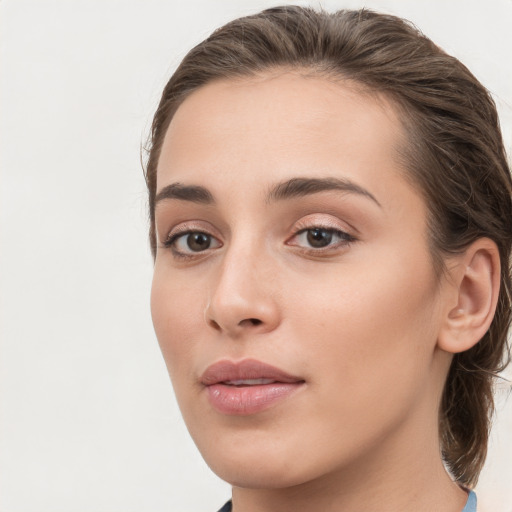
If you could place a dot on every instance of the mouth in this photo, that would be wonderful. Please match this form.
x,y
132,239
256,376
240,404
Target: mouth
x,y
248,386
248,382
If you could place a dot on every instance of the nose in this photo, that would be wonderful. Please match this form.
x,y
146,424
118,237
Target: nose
x,y
243,299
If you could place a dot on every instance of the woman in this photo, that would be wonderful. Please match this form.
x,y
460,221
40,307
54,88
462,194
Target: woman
x,y
331,223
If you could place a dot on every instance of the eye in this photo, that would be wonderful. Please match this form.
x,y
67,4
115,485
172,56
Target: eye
x,y
319,238
189,242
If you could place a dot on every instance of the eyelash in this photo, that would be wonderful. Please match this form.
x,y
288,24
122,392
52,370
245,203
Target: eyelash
x,y
345,240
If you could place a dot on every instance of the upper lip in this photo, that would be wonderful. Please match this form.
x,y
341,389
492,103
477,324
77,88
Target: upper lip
x,y
227,370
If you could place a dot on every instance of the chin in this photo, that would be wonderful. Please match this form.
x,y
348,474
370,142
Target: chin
x,y
258,474
263,463
247,466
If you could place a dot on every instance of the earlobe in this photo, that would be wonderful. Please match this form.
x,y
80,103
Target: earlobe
x,y
471,306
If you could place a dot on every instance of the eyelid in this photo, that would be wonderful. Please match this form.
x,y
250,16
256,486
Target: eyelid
x,y
188,226
323,221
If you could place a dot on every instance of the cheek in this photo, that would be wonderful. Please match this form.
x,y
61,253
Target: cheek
x,y
372,330
175,310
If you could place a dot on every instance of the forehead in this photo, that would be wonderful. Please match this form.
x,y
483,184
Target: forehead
x,y
278,126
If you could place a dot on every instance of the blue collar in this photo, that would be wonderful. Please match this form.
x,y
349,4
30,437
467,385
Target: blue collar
x,y
471,503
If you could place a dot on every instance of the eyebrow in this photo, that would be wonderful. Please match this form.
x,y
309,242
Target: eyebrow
x,y
301,187
193,193
292,188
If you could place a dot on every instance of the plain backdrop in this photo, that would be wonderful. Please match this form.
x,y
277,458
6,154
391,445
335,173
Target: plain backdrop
x,y
88,420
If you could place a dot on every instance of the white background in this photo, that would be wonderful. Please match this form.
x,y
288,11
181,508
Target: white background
x,y
88,421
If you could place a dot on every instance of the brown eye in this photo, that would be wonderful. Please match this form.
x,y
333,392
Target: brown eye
x,y
188,243
319,237
198,241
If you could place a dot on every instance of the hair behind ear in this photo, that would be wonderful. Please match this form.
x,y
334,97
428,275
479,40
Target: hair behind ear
x,y
468,401
466,406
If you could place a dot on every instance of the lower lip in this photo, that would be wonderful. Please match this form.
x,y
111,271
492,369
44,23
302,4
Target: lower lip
x,y
246,400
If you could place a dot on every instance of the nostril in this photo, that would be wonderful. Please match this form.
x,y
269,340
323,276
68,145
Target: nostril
x,y
214,324
252,321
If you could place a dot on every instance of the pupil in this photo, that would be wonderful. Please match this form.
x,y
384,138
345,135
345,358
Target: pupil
x,y
198,241
319,237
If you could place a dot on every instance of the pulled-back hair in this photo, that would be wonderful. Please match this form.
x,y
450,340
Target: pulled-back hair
x,y
454,156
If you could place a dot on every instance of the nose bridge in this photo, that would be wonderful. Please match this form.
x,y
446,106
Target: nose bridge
x,y
241,297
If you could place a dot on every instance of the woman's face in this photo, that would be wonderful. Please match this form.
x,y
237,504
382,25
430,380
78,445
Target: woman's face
x,y
294,297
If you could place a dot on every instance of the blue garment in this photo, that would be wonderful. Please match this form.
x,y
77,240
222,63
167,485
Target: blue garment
x,y
470,504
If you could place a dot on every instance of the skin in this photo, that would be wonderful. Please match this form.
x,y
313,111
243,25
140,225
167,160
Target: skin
x,y
360,322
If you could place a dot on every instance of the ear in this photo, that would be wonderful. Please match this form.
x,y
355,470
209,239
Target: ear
x,y
474,282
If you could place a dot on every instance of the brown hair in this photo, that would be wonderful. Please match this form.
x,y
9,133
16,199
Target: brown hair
x,y
454,155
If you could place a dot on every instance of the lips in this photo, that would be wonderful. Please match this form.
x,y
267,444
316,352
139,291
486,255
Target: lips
x,y
247,387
